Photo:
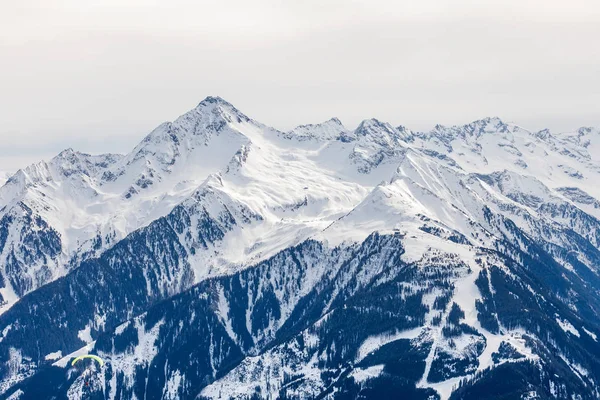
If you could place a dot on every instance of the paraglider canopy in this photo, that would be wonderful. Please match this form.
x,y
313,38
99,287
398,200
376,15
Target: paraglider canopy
x,y
93,357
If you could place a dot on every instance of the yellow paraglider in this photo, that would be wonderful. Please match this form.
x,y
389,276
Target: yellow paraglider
x,y
93,357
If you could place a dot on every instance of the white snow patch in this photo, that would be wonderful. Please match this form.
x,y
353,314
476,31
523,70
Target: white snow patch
x,y
567,326
223,311
16,395
374,342
361,375
85,334
173,384
591,334
446,387
65,360
121,328
53,356
5,331
578,369
9,296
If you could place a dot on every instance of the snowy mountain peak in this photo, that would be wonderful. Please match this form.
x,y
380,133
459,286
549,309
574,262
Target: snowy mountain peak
x,y
588,130
220,109
211,116
374,126
178,144
4,176
41,172
69,162
583,136
213,100
543,134
490,123
380,132
328,130
496,121
494,124
404,130
375,142
90,201
69,152
474,129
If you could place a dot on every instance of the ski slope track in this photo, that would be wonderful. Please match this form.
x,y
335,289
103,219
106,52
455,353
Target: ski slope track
x,y
224,259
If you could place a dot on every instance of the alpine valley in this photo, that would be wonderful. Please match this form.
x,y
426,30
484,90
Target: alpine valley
x,y
224,259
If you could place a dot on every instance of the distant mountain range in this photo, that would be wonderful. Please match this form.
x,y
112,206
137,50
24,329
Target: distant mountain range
x,y
224,259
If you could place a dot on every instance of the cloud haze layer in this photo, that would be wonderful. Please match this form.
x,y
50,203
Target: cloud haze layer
x,y
98,75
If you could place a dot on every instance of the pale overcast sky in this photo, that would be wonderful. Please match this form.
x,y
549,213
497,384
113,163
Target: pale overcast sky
x,y
98,75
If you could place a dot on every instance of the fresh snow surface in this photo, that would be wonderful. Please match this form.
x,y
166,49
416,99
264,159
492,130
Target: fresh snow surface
x,y
4,176
82,351
374,342
578,369
53,356
6,329
591,334
567,327
361,375
85,334
16,395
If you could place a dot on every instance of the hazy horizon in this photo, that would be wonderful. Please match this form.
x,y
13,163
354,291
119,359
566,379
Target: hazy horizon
x,y
98,77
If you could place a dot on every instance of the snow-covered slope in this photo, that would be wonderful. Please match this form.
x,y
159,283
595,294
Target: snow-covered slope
x,y
300,182
77,205
563,160
4,176
320,262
